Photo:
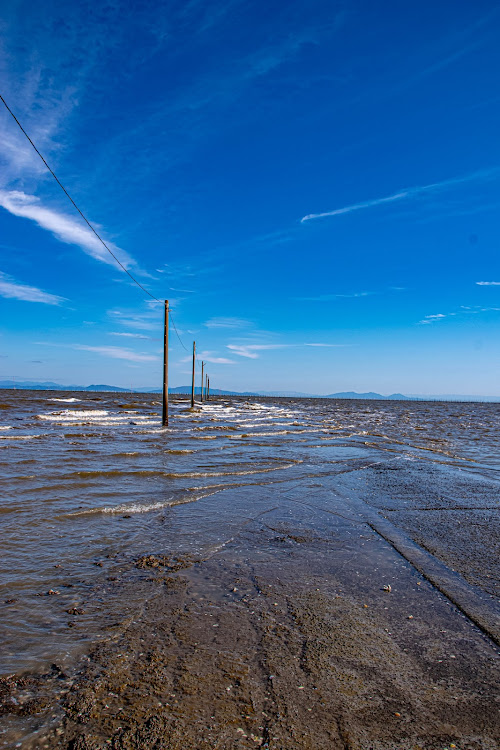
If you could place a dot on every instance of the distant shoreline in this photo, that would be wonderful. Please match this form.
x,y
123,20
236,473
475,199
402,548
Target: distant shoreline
x,y
186,390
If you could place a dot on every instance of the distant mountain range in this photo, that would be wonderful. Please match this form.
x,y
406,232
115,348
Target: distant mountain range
x,y
185,389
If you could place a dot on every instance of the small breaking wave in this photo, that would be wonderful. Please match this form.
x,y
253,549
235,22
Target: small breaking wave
x,y
263,470
20,437
74,417
115,473
72,414
134,508
66,400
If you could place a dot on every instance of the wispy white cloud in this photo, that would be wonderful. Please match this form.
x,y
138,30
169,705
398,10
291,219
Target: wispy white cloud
x,y
488,283
64,227
13,290
408,193
227,323
149,319
331,297
177,270
462,310
251,350
42,109
44,83
132,335
117,352
431,318
209,356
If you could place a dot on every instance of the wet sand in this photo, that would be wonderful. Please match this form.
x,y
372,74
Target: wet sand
x,y
346,600
285,638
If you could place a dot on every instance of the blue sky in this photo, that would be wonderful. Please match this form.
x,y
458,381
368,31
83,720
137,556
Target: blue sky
x,y
315,187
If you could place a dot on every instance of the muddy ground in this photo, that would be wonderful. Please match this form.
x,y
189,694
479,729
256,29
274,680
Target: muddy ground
x,y
287,638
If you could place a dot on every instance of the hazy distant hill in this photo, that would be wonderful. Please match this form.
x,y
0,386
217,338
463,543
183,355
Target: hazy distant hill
x,y
186,390
371,395
49,386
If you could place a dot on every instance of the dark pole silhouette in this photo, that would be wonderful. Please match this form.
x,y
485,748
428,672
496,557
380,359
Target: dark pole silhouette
x,y
192,379
164,418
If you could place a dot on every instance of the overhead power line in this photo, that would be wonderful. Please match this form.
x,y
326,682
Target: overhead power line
x,y
177,332
79,211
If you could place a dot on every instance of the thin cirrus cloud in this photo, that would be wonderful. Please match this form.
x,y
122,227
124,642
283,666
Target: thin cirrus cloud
x,y
431,319
210,356
149,319
407,194
331,297
11,289
488,283
115,352
226,323
463,310
63,227
251,351
132,335
118,352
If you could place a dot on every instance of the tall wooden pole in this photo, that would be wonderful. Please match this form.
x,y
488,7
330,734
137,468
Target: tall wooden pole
x,y
208,389
201,390
164,418
192,379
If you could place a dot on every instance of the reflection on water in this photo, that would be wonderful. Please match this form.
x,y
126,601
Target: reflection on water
x,y
89,481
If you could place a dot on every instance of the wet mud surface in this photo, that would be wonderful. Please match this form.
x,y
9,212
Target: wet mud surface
x,y
311,576
453,513
288,638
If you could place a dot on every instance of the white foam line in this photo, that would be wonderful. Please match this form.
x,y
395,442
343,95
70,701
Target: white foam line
x,y
66,400
135,508
19,437
232,473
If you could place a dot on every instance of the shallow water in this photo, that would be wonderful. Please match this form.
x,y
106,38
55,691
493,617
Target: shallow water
x,y
88,482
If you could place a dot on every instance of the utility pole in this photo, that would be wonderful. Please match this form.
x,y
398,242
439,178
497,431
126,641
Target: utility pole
x,y
201,390
192,379
208,389
164,418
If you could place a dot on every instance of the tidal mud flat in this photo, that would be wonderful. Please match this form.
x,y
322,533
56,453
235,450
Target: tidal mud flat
x,y
315,575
